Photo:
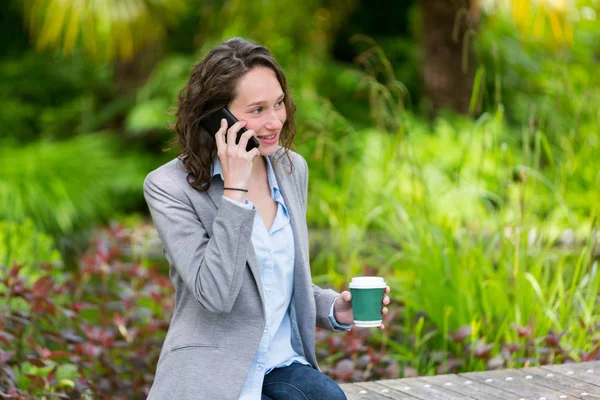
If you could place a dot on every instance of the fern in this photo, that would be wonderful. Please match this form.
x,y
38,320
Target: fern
x,y
65,186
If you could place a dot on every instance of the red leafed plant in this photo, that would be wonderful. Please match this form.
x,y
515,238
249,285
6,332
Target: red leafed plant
x,y
96,334
357,355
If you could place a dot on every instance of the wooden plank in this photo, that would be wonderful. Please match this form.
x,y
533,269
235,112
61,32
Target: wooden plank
x,y
563,383
511,381
588,372
469,388
385,391
355,392
420,389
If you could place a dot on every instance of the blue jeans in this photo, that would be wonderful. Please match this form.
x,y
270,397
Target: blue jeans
x,y
300,382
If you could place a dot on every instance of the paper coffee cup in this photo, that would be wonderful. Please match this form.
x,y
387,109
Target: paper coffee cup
x,y
367,300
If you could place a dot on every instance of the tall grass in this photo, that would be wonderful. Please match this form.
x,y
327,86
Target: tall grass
x,y
478,226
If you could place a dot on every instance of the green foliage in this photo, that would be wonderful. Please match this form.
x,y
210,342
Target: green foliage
x,y
485,229
148,115
467,230
557,88
23,244
108,32
494,284
467,220
92,333
291,30
157,98
49,96
64,186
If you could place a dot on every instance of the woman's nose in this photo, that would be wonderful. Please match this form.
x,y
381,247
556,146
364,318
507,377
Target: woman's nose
x,y
274,121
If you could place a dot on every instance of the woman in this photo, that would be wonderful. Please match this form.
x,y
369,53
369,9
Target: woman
x,y
233,227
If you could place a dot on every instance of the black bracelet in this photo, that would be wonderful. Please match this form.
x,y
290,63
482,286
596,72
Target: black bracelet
x,y
241,190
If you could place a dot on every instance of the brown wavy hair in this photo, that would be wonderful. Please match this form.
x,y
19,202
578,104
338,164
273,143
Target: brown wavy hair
x,y
211,86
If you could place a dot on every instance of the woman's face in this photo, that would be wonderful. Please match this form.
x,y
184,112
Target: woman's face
x,y
259,102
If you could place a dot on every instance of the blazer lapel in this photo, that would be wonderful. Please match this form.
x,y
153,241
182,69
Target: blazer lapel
x,y
290,196
216,195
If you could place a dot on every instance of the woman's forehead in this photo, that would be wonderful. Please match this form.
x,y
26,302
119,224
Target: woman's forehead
x,y
258,85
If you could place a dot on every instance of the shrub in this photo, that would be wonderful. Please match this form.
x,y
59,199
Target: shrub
x,y
23,244
70,185
96,334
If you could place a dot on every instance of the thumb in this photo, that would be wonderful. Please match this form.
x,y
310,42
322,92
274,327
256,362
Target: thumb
x,y
346,296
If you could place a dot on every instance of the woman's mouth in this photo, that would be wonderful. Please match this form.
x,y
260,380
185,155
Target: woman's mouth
x,y
268,139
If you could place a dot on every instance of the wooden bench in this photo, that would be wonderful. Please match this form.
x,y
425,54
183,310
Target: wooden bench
x,y
549,382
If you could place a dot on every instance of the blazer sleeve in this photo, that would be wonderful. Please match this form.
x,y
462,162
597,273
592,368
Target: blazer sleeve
x,y
324,298
211,268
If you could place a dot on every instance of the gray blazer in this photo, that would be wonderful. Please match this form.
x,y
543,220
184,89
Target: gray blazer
x,y
219,316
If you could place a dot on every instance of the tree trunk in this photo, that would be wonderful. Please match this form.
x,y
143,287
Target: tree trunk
x,y
447,33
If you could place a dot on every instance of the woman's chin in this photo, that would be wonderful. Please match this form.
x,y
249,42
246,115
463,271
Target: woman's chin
x,y
268,150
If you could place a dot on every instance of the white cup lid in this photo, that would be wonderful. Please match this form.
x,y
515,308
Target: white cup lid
x,y
367,282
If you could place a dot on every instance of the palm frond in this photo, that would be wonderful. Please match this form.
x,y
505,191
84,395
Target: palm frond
x,y
106,29
543,19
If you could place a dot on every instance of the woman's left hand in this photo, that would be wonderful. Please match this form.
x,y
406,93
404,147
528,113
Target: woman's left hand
x,y
342,309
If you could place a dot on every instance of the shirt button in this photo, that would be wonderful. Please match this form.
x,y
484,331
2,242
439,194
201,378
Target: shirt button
x,y
266,330
260,367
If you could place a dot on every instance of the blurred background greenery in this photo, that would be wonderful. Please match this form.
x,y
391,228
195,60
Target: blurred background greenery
x,y
453,148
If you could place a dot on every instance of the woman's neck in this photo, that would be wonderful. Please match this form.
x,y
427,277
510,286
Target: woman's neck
x,y
259,168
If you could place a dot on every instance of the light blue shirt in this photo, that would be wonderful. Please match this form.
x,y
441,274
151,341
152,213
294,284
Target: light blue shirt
x,y
275,256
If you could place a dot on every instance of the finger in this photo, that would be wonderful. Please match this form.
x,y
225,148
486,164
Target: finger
x,y
384,310
382,326
254,153
244,140
220,134
386,300
387,289
232,133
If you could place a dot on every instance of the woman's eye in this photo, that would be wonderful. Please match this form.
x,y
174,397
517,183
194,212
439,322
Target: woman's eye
x,y
279,102
256,110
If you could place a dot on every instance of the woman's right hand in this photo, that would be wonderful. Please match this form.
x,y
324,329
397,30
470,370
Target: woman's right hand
x,y
236,162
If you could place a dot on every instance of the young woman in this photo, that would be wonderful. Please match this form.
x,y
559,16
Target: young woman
x,y
233,227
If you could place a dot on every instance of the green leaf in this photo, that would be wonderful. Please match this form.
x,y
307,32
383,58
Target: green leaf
x,y
66,372
66,383
149,115
477,92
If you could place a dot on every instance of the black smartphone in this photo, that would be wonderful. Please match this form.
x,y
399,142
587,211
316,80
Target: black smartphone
x,y
212,124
